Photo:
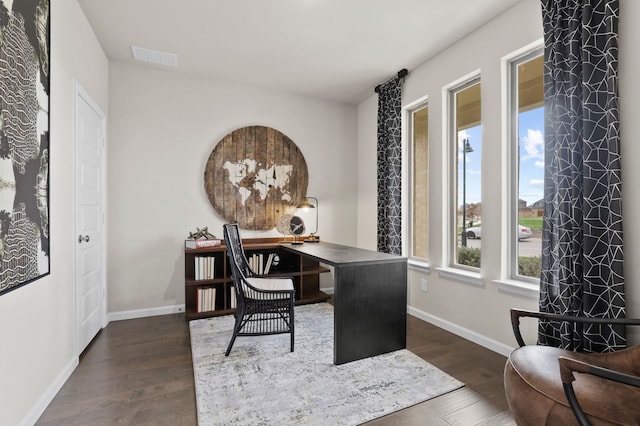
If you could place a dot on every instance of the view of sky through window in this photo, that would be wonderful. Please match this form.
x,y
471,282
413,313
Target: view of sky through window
x,y
531,140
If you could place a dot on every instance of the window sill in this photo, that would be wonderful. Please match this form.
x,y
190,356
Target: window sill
x,y
519,288
467,277
419,265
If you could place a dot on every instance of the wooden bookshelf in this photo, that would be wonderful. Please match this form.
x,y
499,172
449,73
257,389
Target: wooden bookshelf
x,y
305,273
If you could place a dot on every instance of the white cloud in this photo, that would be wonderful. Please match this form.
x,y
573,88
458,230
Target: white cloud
x,y
539,163
533,145
536,183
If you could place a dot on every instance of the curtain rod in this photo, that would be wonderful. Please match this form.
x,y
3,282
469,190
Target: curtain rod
x,y
401,74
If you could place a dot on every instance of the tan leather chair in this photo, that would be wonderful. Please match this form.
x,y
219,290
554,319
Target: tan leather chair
x,y
542,386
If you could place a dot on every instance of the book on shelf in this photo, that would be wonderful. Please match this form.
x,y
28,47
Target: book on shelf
x,y
254,263
202,243
206,299
204,267
267,267
259,264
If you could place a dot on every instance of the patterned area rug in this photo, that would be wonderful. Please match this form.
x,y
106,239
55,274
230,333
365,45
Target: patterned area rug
x,y
262,383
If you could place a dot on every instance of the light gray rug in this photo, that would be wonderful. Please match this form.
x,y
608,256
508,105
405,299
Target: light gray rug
x,y
262,383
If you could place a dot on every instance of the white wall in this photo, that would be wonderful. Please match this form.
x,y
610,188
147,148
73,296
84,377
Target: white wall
x,y
163,126
367,173
481,313
37,321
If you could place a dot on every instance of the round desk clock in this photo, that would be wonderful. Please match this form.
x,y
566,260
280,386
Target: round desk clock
x,y
297,226
283,225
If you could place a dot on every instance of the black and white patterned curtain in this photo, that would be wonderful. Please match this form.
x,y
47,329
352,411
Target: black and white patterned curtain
x,y
389,167
582,228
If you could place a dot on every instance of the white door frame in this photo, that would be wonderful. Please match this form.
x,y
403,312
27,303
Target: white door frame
x,y
80,92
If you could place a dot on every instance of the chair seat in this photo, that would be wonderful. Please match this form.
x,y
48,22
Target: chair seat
x,y
273,284
534,389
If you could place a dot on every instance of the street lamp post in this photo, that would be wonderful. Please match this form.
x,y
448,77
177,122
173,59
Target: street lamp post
x,y
466,148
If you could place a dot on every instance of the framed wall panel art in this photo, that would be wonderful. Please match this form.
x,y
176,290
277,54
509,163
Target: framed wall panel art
x,y
24,142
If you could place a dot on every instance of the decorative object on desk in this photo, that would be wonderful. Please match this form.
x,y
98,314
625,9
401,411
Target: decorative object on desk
x,y
284,226
305,206
275,261
309,388
202,238
297,228
254,175
196,244
24,142
202,233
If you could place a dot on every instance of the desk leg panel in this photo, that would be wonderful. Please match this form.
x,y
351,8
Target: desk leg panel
x,y
370,310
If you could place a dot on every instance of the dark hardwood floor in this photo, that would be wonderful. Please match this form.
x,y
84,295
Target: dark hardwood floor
x,y
139,372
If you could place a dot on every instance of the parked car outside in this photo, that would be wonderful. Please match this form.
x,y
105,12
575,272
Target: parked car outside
x,y
476,232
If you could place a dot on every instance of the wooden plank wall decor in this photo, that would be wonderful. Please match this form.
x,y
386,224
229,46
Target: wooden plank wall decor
x,y
254,176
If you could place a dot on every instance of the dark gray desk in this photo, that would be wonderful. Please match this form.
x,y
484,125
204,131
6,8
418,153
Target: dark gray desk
x,y
370,299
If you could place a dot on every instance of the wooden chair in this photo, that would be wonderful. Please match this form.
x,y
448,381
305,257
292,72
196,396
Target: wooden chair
x,y
542,389
264,305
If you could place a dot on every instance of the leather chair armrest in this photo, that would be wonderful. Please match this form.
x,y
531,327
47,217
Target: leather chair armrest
x,y
568,366
516,314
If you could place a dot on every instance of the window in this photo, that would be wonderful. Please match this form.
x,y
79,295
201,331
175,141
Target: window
x,y
466,144
526,109
419,127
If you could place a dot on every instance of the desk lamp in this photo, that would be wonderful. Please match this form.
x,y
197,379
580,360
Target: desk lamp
x,y
305,206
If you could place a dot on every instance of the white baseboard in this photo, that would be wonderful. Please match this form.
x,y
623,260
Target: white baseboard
x,y
43,402
478,338
141,313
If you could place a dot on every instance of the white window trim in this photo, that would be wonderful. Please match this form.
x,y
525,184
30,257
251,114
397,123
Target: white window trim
x,y
519,288
419,265
462,275
407,182
449,152
510,281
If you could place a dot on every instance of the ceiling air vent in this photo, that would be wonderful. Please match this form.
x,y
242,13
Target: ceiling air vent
x,y
154,56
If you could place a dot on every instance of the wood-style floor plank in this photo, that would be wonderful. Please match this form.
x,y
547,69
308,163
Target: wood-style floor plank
x,y
135,372
140,372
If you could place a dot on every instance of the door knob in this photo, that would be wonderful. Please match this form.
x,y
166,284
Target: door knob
x,y
85,238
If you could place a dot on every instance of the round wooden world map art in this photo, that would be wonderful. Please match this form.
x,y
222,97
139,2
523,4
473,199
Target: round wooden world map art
x,y
254,176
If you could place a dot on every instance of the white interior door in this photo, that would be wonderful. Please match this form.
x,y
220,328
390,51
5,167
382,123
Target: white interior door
x,y
89,139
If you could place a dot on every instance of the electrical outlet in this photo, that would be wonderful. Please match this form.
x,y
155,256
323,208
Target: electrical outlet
x,y
423,285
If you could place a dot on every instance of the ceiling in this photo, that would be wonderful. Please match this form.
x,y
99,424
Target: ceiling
x,y
330,49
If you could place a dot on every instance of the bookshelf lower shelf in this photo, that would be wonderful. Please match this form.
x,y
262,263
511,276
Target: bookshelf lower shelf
x,y
305,275
318,297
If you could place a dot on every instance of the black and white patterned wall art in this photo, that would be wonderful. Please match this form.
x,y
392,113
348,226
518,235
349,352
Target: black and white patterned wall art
x,y
24,142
